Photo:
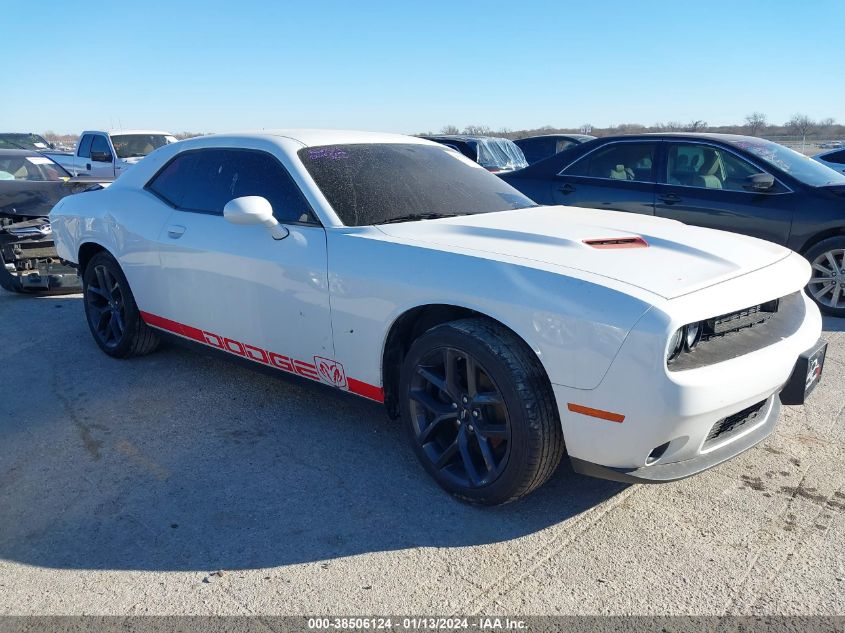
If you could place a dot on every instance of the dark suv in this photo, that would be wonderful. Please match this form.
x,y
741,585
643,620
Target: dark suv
x,y
722,181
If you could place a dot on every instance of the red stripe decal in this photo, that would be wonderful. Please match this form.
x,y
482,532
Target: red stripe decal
x,y
258,355
367,390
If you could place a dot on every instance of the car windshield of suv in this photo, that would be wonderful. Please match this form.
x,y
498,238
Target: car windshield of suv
x,y
500,154
797,165
32,168
391,182
137,145
23,141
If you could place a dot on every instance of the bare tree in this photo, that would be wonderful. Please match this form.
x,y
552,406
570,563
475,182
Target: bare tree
x,y
801,125
450,129
756,123
674,126
695,126
481,130
827,123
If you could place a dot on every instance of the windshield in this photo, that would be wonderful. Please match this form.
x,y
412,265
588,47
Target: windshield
x,y
377,183
23,141
136,145
797,165
32,168
500,154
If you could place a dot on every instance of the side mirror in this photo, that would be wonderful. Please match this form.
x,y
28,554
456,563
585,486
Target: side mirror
x,y
760,182
101,157
254,210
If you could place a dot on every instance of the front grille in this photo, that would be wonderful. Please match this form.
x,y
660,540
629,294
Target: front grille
x,y
743,332
733,424
739,320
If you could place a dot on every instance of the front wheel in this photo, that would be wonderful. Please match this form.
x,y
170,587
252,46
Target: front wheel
x,y
111,312
827,283
479,411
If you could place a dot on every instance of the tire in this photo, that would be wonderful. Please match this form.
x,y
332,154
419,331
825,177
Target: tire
x,y
111,312
490,441
827,284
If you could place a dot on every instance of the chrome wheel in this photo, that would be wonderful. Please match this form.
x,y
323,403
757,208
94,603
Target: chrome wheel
x,y
459,418
106,308
827,285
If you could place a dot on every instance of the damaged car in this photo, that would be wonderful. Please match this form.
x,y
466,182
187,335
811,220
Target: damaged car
x,y
30,184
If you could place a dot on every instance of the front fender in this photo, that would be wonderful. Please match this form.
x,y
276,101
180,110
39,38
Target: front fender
x,y
576,327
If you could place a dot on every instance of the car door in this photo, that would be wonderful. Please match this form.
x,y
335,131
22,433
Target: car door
x,y
249,294
102,157
706,184
617,176
82,159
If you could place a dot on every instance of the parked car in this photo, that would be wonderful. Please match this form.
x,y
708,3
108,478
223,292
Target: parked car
x,y
109,154
493,153
721,181
537,148
398,270
30,184
24,140
834,159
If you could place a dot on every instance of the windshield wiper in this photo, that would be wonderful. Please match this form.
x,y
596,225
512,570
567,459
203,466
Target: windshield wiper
x,y
413,217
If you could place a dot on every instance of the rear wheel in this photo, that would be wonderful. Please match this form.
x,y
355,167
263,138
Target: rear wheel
x,y
827,283
111,312
479,411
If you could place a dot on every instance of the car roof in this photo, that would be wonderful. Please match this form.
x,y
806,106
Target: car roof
x,y
561,135
18,152
715,136
314,137
463,137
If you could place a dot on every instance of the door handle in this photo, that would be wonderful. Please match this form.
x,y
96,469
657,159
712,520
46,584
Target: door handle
x,y
88,166
175,232
669,198
566,189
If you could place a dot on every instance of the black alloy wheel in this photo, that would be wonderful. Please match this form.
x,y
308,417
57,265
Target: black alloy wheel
x,y
460,418
113,317
106,307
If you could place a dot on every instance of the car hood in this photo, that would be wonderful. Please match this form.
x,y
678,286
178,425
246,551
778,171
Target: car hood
x,y
674,260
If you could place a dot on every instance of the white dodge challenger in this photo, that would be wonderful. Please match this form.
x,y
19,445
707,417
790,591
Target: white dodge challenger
x,y
503,333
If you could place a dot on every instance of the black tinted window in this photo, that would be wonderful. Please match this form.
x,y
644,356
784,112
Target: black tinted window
x,y
374,183
169,184
835,157
85,146
208,179
618,161
99,144
537,149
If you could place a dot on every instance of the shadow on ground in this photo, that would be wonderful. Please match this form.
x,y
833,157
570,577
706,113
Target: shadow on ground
x,y
178,461
833,324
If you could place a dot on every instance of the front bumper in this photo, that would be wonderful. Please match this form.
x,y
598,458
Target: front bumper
x,y
671,426
672,471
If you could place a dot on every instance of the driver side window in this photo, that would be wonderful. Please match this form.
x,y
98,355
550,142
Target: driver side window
x,y
707,167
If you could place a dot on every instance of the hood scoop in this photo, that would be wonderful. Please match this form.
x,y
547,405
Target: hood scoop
x,y
617,242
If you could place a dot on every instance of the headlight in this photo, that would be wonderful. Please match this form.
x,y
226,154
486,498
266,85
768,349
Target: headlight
x,y
676,344
684,339
692,334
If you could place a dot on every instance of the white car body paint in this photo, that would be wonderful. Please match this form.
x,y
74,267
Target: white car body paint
x,y
599,320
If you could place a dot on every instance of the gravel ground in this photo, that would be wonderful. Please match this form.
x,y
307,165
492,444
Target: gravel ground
x,y
182,484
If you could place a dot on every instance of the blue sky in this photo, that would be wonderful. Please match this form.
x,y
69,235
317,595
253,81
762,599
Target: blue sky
x,y
410,67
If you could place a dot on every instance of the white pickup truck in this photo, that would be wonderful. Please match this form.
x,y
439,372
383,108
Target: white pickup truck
x,y
107,154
